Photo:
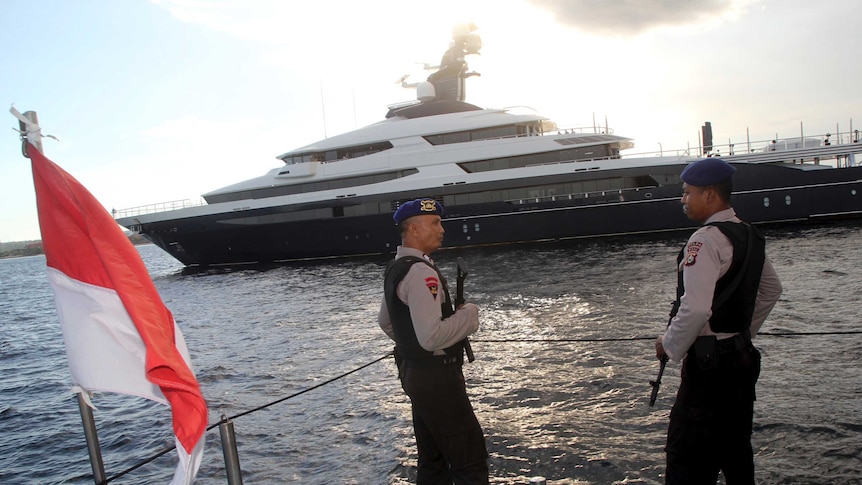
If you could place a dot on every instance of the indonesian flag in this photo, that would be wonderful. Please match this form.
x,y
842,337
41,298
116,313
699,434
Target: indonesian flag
x,y
119,335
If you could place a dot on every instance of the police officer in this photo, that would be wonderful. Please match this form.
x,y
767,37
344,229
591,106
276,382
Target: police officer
x,y
429,334
726,287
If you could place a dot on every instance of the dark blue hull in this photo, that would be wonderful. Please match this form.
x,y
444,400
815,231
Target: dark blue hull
x,y
762,194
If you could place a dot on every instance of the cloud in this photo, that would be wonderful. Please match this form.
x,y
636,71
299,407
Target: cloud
x,y
316,37
632,17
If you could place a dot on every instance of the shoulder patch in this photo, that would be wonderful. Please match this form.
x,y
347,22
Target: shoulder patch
x,y
690,258
433,285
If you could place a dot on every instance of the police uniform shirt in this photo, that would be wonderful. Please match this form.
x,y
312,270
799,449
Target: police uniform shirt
x,y
708,256
423,293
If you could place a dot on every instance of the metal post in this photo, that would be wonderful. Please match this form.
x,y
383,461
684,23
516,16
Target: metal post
x,y
34,138
747,140
27,135
323,109
228,446
92,440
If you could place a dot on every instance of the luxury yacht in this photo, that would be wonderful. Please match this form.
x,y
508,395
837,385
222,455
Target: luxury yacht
x,y
502,176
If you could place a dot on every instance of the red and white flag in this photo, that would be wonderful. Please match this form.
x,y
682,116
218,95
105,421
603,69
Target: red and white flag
x,y
119,335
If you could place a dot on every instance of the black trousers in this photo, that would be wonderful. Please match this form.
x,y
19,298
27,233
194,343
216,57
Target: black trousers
x,y
449,440
711,421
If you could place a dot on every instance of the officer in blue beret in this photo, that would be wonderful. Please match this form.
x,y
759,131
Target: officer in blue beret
x,y
430,335
726,287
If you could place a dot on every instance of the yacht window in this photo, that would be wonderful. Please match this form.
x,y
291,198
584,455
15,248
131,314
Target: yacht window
x,y
558,156
279,190
473,135
339,154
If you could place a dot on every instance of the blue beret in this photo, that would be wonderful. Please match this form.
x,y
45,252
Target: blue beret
x,y
417,207
706,172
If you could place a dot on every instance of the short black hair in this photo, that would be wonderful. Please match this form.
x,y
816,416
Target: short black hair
x,y
724,189
402,226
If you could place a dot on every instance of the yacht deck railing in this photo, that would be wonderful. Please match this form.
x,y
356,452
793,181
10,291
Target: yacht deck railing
x,y
840,147
813,148
155,208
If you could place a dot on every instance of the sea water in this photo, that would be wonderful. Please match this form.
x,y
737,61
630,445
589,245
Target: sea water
x,y
564,356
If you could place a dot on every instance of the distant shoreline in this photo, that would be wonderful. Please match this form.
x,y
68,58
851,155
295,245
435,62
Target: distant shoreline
x,y
21,249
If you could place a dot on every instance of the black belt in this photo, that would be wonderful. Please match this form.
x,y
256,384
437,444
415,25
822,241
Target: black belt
x,y
732,344
435,361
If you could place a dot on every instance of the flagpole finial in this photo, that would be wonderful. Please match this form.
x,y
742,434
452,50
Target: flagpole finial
x,y
29,130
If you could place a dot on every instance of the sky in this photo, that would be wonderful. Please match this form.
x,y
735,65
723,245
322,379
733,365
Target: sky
x,y
160,100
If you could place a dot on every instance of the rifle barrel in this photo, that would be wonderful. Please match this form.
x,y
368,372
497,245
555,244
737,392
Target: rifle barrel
x,y
657,382
459,300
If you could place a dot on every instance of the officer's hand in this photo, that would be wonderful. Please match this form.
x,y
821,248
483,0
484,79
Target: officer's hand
x,y
659,349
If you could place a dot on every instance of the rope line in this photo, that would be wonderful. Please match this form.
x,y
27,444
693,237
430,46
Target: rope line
x,y
630,339
135,467
389,354
794,334
168,449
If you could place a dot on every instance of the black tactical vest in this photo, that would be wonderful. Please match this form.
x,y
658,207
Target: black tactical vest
x,y
406,341
736,291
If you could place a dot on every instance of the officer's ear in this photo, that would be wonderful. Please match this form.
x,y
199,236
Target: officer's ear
x,y
709,193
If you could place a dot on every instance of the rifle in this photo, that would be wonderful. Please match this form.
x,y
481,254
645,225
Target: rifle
x,y
459,300
657,381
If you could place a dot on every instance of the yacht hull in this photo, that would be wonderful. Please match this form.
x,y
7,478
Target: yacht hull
x,y
762,194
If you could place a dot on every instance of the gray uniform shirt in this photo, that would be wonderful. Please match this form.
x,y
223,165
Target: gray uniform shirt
x,y
423,293
708,256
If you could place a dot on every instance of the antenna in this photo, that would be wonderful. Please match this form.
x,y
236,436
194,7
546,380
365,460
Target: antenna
x,y
323,109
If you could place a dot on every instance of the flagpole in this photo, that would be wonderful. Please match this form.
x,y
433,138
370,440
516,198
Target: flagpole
x,y
93,448
30,135
231,457
30,132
